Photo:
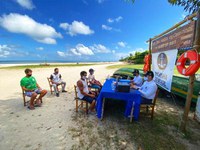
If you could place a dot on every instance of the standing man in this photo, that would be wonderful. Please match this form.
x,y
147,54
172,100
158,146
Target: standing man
x,y
32,89
148,89
83,91
56,81
137,79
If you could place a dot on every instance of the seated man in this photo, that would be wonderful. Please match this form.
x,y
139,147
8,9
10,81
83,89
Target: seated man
x,y
148,89
145,76
137,80
56,81
92,81
32,89
83,91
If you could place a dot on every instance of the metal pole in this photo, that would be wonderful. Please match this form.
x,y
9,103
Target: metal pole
x,y
191,78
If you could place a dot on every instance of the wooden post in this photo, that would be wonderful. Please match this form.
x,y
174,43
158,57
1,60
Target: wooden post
x,y
188,103
197,35
150,54
191,78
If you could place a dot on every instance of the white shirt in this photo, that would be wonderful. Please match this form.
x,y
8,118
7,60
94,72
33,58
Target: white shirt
x,y
138,80
148,89
91,77
56,77
85,89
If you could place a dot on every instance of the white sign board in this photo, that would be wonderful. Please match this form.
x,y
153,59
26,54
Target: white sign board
x,y
163,64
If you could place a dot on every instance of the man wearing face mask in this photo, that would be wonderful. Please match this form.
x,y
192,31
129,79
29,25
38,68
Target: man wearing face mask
x,y
148,89
32,89
84,93
145,76
56,81
137,79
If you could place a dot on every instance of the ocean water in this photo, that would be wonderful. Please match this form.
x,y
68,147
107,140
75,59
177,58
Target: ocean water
x,y
40,61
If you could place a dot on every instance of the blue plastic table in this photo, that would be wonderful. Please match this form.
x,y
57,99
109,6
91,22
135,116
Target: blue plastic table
x,y
132,96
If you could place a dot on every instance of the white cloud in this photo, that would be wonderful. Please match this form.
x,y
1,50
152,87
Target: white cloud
x,y
28,4
120,55
118,19
112,20
61,54
136,50
183,15
99,48
122,44
23,24
76,28
11,50
5,50
40,48
81,49
105,27
75,51
64,26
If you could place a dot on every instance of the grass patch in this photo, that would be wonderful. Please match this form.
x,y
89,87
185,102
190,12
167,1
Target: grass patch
x,y
154,134
43,66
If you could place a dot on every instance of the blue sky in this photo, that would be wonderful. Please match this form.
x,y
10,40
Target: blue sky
x,y
81,30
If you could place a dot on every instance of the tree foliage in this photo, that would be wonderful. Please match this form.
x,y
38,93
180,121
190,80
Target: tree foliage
x,y
137,58
189,5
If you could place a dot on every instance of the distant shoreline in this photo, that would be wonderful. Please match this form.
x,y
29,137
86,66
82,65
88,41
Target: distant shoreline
x,y
49,63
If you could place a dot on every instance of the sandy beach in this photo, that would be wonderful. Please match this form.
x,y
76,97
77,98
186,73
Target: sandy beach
x,y
45,127
56,125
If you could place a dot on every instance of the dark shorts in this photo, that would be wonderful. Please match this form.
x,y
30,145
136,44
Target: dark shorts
x,y
95,86
88,99
146,101
29,94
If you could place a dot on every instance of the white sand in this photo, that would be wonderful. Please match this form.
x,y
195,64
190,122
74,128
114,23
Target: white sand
x,y
45,127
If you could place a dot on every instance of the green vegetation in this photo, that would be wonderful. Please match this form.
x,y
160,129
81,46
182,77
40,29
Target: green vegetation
x,y
137,58
140,66
189,5
45,66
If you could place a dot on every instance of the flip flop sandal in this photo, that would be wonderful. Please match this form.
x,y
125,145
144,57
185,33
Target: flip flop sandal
x,y
30,108
37,105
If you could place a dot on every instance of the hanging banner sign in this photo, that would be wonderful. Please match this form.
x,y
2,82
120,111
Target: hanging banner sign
x,y
163,64
182,39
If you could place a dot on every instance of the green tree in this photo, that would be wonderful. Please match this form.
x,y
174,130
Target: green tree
x,y
189,5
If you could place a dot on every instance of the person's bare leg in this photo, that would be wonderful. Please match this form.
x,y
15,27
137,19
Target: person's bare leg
x,y
92,105
99,84
42,94
33,96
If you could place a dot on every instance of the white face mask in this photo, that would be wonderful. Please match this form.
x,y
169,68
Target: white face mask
x,y
84,77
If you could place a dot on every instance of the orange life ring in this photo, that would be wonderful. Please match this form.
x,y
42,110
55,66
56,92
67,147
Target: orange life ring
x,y
194,58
